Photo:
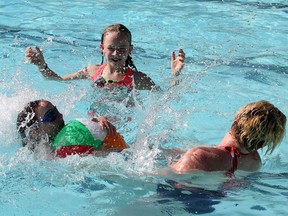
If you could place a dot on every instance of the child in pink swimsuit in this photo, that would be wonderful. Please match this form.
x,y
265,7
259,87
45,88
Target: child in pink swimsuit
x,y
119,69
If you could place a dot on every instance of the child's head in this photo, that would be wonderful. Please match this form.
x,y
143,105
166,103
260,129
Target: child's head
x,y
118,28
38,119
116,45
259,124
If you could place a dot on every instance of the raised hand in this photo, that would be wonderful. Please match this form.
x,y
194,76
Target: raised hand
x,y
35,56
177,63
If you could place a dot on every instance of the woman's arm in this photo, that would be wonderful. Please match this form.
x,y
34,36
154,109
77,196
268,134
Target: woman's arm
x,y
197,158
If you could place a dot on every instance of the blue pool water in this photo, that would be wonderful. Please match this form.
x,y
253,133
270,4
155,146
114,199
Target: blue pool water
x,y
236,53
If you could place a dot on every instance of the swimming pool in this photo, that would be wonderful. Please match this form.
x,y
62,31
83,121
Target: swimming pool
x,y
236,53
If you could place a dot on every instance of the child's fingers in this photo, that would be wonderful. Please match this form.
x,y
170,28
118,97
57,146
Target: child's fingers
x,y
111,129
173,57
181,55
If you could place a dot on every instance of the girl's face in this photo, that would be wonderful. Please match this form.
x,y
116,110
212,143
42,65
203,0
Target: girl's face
x,y
116,48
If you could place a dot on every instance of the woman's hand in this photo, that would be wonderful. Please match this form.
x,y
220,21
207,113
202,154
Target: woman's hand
x,y
177,64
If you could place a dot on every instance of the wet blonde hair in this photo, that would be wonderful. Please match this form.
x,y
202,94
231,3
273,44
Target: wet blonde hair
x,y
259,124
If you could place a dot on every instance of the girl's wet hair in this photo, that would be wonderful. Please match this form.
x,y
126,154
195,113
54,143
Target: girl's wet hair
x,y
26,118
259,124
121,29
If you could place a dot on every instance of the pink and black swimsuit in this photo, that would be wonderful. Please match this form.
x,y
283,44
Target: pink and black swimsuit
x,y
101,82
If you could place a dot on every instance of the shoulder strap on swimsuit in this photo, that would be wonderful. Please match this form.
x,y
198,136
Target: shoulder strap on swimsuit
x,y
235,153
99,72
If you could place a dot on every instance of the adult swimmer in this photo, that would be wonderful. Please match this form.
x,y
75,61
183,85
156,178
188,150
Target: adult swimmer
x,y
40,121
257,125
119,70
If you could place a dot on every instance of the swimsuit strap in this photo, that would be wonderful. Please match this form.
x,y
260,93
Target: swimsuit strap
x,y
98,73
235,154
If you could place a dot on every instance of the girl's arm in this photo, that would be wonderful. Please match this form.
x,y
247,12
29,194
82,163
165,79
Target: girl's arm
x,y
143,82
35,56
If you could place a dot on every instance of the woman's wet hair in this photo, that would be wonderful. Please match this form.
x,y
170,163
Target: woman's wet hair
x,y
259,124
124,30
26,118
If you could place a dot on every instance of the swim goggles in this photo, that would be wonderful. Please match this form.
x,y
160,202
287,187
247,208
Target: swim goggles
x,y
50,115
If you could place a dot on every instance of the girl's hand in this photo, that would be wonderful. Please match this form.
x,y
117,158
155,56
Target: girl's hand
x,y
177,64
35,57
105,125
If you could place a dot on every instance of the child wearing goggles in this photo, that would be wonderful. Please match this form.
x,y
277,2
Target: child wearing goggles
x,y
41,121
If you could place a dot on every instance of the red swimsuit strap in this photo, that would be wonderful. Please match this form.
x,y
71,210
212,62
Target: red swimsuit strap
x,y
235,154
99,72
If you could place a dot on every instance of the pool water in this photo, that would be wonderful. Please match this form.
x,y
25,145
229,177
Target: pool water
x,y
236,54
